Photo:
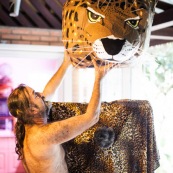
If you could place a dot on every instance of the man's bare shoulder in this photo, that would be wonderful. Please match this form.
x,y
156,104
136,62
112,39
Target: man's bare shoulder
x,y
34,138
36,149
46,134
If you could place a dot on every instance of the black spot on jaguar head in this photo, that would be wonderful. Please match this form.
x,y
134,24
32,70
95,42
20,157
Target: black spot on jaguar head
x,y
84,5
93,1
122,5
88,58
66,15
98,62
134,10
76,16
76,3
130,1
67,33
75,47
66,46
71,12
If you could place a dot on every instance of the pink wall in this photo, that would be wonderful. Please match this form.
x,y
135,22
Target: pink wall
x,y
33,72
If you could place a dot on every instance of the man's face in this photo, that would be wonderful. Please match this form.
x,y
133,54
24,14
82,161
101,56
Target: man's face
x,y
37,104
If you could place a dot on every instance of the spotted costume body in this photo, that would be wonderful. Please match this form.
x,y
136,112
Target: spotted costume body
x,y
125,126
107,30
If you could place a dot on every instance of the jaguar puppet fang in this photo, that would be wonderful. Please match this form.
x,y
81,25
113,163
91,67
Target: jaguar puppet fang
x,y
107,30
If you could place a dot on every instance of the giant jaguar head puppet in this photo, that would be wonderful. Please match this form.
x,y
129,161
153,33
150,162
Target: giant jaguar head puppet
x,y
107,30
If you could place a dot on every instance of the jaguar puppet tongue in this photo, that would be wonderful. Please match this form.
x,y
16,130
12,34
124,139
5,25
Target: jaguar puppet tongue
x,y
107,30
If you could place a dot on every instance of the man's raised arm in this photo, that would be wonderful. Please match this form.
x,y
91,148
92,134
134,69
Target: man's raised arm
x,y
65,130
56,79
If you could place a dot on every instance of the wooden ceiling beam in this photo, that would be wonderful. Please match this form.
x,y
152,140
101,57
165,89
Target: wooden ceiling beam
x,y
62,2
158,42
21,19
163,20
161,36
55,7
163,32
5,15
6,19
35,18
162,26
163,17
164,6
46,14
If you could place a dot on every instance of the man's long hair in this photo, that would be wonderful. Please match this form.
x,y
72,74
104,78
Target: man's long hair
x,y
18,105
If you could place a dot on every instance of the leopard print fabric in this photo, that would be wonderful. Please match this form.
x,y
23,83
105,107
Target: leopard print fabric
x,y
133,149
107,30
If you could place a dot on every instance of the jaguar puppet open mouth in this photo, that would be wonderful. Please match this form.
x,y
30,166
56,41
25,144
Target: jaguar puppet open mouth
x,y
114,49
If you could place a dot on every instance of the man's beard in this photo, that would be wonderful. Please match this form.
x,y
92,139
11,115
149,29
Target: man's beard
x,y
48,106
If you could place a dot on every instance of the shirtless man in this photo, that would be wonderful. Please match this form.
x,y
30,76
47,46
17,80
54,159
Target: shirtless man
x,y
38,143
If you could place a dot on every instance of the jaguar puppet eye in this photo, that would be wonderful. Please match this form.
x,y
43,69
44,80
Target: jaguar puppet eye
x,y
93,16
133,22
